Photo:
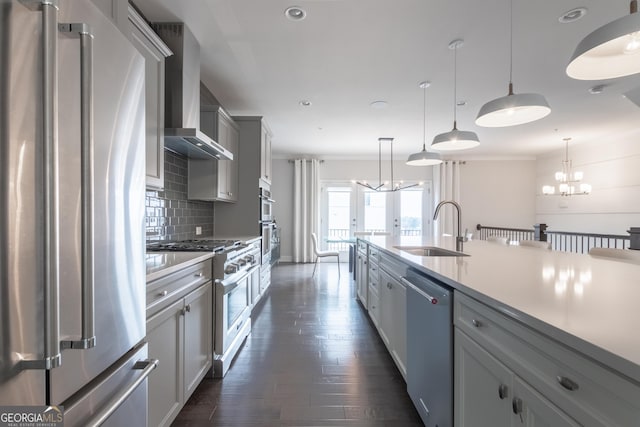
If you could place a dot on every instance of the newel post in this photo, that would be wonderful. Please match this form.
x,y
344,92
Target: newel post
x,y
540,232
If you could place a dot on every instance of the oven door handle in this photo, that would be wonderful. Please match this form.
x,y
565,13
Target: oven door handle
x,y
230,283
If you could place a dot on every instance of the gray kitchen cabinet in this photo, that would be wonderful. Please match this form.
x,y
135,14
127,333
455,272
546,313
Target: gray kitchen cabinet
x,y
116,11
179,333
166,390
362,277
548,384
154,52
393,318
265,154
211,179
197,337
490,394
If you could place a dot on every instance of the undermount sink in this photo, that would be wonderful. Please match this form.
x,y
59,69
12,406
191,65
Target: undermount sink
x,y
429,251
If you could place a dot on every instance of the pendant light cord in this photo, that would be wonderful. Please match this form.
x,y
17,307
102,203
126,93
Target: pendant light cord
x,y
424,119
455,86
511,47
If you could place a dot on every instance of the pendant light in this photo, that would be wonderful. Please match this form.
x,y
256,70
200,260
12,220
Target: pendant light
x,y
424,157
513,109
611,51
381,187
455,139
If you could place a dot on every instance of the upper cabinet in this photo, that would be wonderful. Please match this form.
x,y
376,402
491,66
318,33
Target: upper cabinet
x,y
211,179
265,154
154,51
117,11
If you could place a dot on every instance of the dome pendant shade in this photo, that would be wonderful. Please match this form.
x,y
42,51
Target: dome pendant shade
x,y
455,140
513,109
424,158
611,51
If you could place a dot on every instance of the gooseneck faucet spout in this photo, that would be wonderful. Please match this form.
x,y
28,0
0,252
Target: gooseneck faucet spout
x,y
459,238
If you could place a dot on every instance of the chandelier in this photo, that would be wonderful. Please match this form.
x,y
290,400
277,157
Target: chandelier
x,y
382,186
569,181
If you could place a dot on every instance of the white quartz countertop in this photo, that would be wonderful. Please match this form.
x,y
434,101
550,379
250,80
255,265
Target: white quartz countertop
x,y
159,264
590,304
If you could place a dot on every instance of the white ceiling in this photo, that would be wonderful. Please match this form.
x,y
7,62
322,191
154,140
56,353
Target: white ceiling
x,y
349,53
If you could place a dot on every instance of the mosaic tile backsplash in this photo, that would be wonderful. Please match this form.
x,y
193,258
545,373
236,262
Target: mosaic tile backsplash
x,y
170,216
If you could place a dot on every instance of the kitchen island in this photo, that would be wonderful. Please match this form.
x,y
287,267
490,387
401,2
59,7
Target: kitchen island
x,y
527,307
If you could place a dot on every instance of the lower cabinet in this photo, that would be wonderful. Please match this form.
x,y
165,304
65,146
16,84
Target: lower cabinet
x,y
487,393
507,374
361,276
393,318
180,337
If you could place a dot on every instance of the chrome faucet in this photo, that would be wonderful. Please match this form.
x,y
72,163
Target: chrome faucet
x,y
459,238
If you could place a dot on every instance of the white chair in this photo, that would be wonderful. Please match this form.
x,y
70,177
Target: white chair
x,y
535,244
499,240
629,255
322,254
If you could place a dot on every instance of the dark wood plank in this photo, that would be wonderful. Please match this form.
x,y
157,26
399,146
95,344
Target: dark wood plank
x,y
313,359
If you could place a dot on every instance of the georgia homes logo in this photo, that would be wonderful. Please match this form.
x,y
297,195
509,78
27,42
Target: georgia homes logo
x,y
31,416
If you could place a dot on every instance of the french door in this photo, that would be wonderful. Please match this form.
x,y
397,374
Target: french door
x,y
348,208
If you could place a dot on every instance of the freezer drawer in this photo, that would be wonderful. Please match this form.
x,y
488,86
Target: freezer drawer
x,y
103,395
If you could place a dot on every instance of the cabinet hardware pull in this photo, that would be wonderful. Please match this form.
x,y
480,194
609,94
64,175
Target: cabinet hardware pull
x,y
476,323
163,293
567,383
502,391
198,275
516,406
188,308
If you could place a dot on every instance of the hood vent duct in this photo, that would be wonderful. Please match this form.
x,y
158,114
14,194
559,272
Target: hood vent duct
x,y
182,132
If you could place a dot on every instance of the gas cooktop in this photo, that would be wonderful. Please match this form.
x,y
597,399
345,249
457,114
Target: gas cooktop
x,y
195,245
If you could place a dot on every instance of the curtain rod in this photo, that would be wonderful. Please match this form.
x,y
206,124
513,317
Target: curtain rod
x,y
307,160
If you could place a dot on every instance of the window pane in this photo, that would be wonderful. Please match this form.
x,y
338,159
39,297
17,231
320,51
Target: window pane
x,y
411,212
339,206
375,211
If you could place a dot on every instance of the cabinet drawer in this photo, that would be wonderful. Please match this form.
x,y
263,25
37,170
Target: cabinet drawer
x,y
164,291
362,246
587,391
374,254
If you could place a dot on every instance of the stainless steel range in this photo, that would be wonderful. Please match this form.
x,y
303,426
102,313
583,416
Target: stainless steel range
x,y
235,266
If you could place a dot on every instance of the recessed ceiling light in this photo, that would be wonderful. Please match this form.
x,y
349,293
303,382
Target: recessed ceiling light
x,y
573,15
295,13
379,105
305,103
597,89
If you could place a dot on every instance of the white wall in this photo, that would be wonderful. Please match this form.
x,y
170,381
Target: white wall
x,y
499,193
613,170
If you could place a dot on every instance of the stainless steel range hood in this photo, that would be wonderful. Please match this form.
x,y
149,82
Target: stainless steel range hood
x,y
182,132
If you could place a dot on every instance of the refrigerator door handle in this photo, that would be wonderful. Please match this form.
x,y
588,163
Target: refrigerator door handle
x,y
51,278
147,366
83,32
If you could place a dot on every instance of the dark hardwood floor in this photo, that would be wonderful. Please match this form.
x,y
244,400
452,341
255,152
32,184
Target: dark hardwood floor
x,y
313,359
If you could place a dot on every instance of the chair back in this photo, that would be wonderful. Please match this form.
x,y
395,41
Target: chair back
x,y
500,240
629,255
535,244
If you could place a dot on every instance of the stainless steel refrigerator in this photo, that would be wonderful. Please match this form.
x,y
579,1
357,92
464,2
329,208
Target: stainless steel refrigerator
x,y
72,269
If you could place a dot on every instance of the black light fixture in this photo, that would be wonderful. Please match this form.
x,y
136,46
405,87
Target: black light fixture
x,y
382,185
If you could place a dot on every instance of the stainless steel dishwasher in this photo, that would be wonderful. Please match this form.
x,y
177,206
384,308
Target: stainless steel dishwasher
x,y
430,348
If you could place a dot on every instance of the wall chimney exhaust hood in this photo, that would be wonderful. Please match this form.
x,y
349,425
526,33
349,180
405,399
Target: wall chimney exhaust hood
x,y
182,132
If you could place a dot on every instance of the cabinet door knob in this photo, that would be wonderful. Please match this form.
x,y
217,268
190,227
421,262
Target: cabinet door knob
x,y
188,308
476,323
198,275
568,383
163,293
503,391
